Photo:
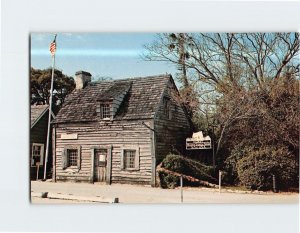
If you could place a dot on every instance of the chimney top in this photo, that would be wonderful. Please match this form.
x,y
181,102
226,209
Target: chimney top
x,y
83,72
82,79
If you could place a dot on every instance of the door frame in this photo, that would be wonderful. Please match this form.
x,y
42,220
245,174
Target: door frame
x,y
108,162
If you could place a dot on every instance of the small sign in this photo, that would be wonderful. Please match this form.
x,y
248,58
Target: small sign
x,y
198,142
102,158
67,136
195,145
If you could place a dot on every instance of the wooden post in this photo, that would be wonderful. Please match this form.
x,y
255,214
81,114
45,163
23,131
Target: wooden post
x,y
92,164
37,170
181,190
220,178
108,166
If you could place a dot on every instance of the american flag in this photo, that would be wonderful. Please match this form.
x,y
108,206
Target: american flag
x,y
53,46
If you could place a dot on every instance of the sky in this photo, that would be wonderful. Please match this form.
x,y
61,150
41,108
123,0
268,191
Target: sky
x,y
115,55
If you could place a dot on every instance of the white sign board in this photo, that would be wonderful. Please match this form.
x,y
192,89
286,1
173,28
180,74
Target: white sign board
x,y
196,145
198,142
67,136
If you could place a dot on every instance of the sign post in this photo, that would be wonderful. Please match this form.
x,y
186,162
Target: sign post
x,y
181,190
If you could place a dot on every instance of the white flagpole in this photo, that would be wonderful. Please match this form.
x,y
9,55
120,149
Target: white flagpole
x,y
49,118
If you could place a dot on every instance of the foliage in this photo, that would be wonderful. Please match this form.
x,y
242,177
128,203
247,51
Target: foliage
x,y
230,68
264,117
230,164
40,83
247,91
227,59
168,180
188,167
257,166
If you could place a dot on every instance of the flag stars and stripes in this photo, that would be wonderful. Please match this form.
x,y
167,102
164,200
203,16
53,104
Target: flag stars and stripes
x,y
53,46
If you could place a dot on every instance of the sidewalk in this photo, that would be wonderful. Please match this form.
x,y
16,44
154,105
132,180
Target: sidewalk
x,y
83,192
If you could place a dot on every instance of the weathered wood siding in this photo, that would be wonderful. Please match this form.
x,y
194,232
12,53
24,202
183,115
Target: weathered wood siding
x,y
38,134
170,133
118,135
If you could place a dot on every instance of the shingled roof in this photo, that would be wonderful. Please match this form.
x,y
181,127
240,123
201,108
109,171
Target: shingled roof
x,y
140,102
37,111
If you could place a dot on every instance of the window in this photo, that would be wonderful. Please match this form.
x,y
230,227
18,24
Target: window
x,y
100,156
105,111
37,154
130,159
72,157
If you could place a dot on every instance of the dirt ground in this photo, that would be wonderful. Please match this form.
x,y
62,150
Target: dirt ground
x,y
147,194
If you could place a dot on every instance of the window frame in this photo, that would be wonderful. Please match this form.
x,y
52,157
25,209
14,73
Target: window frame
x,y
73,160
136,159
129,159
105,106
41,155
65,157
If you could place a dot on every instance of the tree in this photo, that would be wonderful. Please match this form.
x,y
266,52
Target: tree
x,y
227,65
247,89
257,168
40,82
229,58
272,123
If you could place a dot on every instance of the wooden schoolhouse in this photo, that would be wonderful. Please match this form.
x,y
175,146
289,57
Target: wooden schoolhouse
x,y
118,131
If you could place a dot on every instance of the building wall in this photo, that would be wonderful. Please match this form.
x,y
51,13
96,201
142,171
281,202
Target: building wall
x,y
38,134
117,134
170,132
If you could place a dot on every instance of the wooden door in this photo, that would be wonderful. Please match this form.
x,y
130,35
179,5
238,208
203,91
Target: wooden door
x,y
100,165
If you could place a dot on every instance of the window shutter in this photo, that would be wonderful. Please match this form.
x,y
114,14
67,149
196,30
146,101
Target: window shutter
x,y
137,158
79,157
122,159
64,159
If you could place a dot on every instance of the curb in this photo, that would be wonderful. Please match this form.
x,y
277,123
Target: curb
x,y
74,198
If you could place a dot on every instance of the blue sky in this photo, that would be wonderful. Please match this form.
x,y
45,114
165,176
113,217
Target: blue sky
x,y
115,55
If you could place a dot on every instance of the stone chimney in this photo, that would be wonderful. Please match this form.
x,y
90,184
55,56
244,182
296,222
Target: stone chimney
x,y
82,78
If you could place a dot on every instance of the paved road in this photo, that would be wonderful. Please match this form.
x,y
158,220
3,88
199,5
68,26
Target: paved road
x,y
146,194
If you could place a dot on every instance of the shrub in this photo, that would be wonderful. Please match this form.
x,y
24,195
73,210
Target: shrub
x,y
168,180
188,167
257,167
230,164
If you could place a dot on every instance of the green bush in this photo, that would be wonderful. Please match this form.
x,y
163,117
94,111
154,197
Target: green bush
x,y
188,167
257,167
230,164
168,180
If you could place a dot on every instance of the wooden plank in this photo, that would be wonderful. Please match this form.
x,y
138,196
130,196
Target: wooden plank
x,y
153,156
65,136
109,165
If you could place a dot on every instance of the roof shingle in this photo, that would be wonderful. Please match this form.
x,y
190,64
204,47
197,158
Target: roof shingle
x,y
140,102
36,112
